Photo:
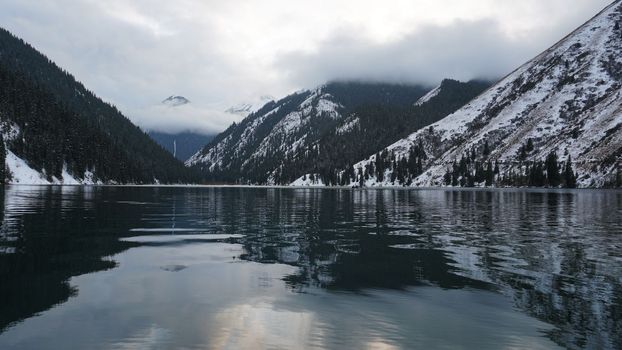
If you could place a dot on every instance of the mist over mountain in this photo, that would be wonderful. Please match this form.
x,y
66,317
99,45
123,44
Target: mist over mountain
x,y
246,108
218,55
182,145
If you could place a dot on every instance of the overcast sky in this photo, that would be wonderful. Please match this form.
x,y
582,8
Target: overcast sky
x,y
135,53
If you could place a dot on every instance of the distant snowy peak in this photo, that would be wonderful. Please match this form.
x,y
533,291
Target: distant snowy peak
x,y
175,101
246,108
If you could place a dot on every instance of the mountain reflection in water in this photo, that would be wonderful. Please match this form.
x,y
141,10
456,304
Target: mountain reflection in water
x,y
385,268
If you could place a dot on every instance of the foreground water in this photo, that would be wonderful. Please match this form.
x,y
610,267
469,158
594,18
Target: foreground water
x,y
244,268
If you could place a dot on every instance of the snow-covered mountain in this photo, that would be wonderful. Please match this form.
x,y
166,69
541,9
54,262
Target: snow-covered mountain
x,y
175,101
323,129
557,120
246,108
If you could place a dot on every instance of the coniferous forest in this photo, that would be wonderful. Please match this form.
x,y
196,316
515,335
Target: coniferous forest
x,y
468,171
54,122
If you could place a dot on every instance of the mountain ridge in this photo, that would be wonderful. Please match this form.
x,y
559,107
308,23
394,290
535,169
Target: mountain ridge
x,y
554,121
322,129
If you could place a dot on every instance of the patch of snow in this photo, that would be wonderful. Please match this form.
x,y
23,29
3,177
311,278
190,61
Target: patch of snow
x,y
89,178
310,180
21,173
7,250
430,95
10,131
246,108
348,126
328,107
68,179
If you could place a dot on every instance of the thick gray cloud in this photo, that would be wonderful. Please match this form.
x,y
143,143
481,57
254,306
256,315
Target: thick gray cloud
x,y
135,53
462,50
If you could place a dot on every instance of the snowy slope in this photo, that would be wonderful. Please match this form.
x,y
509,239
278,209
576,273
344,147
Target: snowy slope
x,y
308,181
276,129
247,108
20,173
430,95
567,100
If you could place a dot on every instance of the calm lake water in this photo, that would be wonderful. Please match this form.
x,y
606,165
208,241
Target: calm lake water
x,y
252,268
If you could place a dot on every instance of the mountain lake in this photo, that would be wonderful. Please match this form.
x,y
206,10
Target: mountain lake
x,y
280,268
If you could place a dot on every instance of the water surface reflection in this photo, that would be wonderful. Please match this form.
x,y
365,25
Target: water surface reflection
x,y
284,268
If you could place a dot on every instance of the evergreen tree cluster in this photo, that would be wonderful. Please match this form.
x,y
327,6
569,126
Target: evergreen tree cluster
x,y
548,173
62,124
525,150
387,166
471,171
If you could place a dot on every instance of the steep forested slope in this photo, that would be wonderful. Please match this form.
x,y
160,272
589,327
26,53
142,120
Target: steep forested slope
x,y
55,130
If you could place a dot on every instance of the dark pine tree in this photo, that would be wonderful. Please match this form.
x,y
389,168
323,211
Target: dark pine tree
x,y
552,170
570,179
